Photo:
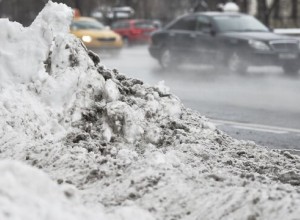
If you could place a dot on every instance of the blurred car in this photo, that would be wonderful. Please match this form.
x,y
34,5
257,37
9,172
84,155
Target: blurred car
x,y
96,36
231,40
134,30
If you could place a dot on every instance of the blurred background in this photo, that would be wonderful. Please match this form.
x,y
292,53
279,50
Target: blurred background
x,y
263,105
278,13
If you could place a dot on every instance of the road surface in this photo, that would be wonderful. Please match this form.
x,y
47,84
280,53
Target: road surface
x,y
263,106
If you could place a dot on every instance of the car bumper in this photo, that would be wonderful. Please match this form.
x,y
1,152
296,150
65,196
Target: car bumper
x,y
105,45
273,58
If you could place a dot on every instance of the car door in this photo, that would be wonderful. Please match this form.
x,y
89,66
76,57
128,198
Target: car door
x,y
206,46
181,37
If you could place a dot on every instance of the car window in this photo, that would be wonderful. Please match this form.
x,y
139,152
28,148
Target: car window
x,y
144,24
186,23
86,25
202,23
115,25
239,23
120,25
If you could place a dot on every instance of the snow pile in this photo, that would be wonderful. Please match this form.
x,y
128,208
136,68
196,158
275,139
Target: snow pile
x,y
28,193
115,145
15,62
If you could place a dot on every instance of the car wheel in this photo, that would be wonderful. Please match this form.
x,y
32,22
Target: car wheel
x,y
291,69
166,59
236,64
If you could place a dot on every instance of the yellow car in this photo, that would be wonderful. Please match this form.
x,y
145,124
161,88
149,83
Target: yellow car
x,y
96,36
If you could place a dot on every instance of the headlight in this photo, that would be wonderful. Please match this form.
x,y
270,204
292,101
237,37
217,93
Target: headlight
x,y
259,45
86,39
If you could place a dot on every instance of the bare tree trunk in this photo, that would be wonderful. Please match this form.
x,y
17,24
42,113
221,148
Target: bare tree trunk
x,y
294,14
264,11
244,5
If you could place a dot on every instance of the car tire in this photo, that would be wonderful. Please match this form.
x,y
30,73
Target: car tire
x,y
166,59
236,64
291,69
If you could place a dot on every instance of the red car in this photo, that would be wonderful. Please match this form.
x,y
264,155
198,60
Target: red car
x,y
134,30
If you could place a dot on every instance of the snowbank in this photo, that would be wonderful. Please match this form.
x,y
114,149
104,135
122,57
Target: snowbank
x,y
28,193
99,145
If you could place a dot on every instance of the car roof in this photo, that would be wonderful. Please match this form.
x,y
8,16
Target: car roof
x,y
207,13
217,13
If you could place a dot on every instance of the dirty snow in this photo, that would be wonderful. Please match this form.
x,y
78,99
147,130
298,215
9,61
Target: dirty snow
x,y
79,141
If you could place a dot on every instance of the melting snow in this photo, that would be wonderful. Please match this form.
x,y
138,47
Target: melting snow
x,y
79,141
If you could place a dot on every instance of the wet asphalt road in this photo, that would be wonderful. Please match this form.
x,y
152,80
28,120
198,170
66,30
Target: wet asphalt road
x,y
262,106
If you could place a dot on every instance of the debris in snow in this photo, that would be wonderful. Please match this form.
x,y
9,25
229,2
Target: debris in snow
x,y
119,146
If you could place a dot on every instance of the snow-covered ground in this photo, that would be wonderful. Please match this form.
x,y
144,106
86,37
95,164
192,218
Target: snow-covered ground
x,y
79,141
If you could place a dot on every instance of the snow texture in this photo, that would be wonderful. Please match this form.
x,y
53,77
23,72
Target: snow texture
x,y
79,141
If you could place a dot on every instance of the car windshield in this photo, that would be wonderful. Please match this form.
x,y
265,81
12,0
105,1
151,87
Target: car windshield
x,y
237,23
87,25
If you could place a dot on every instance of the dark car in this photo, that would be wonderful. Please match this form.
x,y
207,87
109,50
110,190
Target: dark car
x,y
231,40
134,30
